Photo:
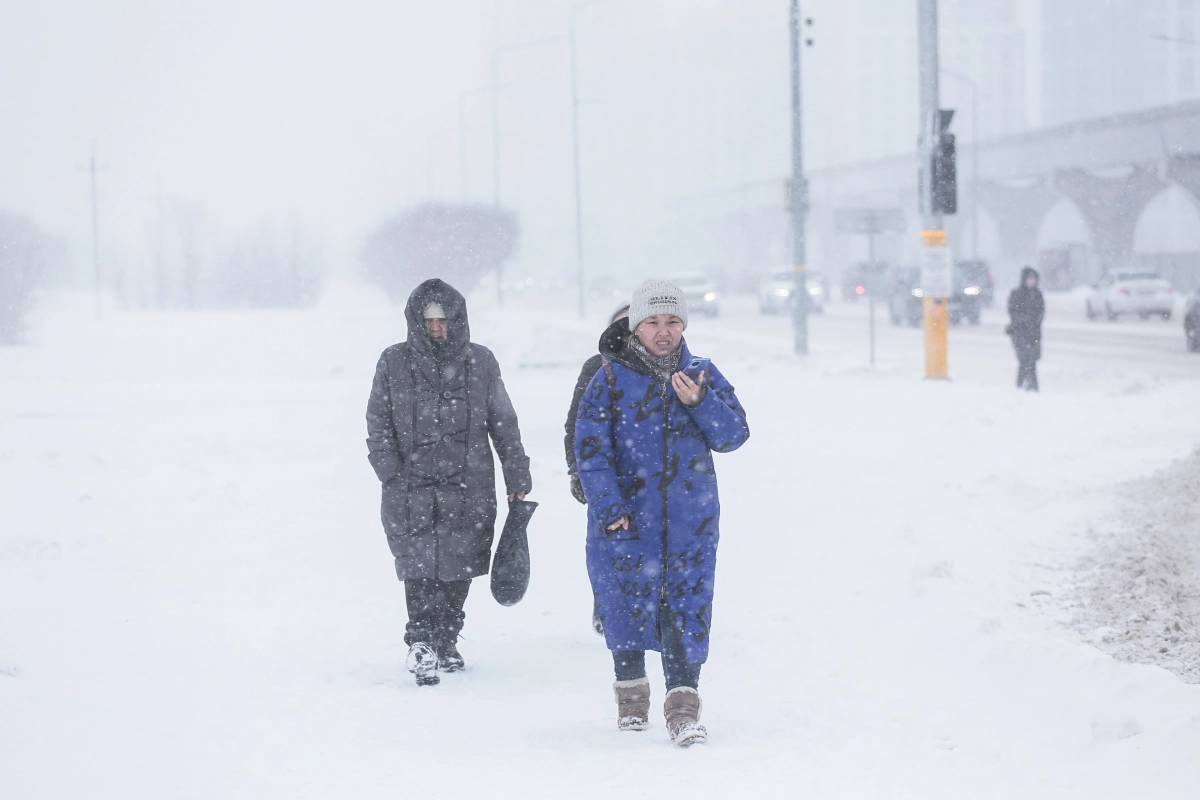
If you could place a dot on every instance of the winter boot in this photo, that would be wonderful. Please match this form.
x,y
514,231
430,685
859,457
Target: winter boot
x,y
448,657
633,704
423,662
682,709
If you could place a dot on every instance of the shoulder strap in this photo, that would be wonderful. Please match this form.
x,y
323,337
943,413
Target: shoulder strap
x,y
608,373
611,379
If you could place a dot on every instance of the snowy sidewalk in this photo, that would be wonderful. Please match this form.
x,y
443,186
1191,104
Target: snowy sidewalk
x,y
196,599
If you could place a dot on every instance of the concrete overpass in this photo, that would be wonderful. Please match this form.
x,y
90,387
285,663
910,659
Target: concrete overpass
x,y
1110,168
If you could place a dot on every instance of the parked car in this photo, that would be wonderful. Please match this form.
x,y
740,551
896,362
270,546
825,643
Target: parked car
x,y
700,291
969,283
1130,292
976,274
905,298
777,291
1191,322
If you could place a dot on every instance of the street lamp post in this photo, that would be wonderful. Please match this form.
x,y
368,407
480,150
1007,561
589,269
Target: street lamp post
x,y
496,53
974,158
575,152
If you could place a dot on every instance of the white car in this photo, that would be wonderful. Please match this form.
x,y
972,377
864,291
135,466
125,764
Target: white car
x,y
1130,292
776,291
700,291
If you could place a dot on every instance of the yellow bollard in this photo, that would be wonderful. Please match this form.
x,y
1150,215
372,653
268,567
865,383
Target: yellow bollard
x,y
936,318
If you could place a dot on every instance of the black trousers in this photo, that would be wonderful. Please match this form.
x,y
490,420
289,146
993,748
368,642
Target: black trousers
x,y
630,665
1027,374
435,610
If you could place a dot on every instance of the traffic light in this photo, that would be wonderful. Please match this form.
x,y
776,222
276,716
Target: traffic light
x,y
945,172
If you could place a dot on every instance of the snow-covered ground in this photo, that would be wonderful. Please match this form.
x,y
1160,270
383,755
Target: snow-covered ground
x,y
196,599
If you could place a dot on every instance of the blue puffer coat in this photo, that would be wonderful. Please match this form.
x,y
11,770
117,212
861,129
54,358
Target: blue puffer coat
x,y
643,453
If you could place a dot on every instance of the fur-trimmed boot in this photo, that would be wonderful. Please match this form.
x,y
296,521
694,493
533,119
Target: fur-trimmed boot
x,y
633,704
682,709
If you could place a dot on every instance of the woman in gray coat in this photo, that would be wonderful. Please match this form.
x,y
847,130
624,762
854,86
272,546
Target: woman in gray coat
x,y
436,401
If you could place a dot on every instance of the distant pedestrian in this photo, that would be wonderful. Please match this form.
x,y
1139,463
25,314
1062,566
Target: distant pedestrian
x,y
436,400
648,424
1026,309
612,341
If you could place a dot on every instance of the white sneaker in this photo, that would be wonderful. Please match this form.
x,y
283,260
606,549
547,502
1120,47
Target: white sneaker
x,y
423,663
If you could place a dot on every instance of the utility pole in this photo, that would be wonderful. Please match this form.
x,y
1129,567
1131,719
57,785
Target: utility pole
x,y
496,53
935,258
95,232
575,150
798,199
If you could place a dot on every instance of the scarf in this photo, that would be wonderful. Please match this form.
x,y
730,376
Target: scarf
x,y
662,367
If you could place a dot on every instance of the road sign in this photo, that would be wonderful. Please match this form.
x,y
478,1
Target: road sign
x,y
936,278
870,220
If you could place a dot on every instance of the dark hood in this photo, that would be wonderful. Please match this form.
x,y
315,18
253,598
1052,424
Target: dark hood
x,y
612,341
1025,273
452,302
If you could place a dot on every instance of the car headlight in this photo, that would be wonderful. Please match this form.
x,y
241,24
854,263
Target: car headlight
x,y
972,290
814,290
782,292
708,298
918,293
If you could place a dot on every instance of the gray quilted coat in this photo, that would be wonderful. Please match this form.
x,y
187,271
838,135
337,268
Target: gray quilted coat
x,y
432,410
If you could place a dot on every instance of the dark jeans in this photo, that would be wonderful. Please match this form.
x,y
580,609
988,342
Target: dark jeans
x,y
631,664
435,610
1027,374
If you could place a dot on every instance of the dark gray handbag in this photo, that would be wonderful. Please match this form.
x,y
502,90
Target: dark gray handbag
x,y
510,564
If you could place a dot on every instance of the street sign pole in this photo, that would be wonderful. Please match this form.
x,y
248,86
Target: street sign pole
x,y
872,285
870,221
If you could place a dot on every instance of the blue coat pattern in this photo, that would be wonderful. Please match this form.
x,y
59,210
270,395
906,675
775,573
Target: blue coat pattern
x,y
644,453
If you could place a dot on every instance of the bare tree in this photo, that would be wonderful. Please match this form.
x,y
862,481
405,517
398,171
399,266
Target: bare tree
x,y
22,267
458,243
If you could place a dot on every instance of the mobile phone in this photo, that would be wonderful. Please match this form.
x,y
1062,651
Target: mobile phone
x,y
696,367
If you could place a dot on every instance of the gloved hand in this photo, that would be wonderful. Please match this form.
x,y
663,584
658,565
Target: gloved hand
x,y
577,488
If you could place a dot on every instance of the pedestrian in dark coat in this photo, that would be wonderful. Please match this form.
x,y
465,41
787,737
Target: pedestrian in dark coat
x,y
436,401
612,341
1026,309
647,427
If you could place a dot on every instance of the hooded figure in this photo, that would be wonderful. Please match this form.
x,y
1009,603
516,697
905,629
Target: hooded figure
x,y
612,341
1026,309
436,401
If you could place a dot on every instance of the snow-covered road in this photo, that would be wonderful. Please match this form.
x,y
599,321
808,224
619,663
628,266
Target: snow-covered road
x,y
196,599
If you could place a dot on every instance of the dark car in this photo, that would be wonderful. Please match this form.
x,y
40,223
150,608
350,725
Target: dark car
x,y
977,275
967,300
1191,322
905,297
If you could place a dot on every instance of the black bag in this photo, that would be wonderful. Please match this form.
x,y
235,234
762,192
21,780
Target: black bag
x,y
510,564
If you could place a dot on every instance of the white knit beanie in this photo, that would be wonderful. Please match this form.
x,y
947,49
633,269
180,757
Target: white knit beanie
x,y
657,296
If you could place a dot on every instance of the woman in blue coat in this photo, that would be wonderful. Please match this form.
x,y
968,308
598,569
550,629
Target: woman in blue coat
x,y
646,430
